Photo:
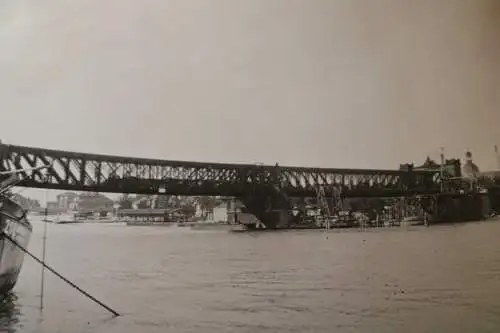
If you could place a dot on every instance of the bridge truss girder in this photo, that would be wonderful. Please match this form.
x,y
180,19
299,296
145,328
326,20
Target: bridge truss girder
x,y
107,173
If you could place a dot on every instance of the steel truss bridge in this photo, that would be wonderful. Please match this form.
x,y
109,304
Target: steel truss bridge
x,y
116,174
262,188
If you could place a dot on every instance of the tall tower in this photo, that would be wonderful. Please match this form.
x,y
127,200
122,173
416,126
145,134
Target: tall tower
x,y
497,156
468,157
470,170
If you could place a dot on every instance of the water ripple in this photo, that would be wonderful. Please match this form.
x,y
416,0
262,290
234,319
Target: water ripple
x,y
420,281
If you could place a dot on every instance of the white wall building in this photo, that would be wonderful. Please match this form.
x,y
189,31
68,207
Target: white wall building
x,y
220,213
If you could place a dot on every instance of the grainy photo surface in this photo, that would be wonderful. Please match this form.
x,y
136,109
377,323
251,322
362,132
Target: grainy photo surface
x,y
249,166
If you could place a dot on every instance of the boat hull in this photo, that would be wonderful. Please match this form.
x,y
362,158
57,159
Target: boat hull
x,y
459,209
150,224
11,256
212,226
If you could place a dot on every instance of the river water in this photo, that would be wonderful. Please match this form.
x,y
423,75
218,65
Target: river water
x,y
439,279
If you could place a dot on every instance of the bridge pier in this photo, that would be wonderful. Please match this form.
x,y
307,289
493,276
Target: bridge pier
x,y
455,207
269,206
494,198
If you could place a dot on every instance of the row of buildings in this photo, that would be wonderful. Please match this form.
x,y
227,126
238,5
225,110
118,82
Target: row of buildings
x,y
454,167
142,206
81,201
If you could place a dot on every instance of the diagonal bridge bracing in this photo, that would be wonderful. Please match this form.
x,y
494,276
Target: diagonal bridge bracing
x,y
107,173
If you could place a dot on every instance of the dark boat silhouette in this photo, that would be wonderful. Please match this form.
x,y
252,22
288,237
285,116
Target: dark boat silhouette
x,y
13,226
15,230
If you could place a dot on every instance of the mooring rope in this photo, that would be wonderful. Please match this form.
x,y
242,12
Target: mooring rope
x,y
116,314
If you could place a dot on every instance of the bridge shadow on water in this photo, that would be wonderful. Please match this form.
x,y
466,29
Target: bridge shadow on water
x,y
10,312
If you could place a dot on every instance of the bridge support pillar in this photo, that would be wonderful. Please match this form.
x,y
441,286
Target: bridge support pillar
x,y
269,219
270,208
456,208
494,199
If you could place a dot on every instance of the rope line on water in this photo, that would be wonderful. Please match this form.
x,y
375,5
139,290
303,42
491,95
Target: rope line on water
x,y
44,245
53,271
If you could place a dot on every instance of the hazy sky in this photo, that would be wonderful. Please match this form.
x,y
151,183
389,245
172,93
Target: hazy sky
x,y
333,83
